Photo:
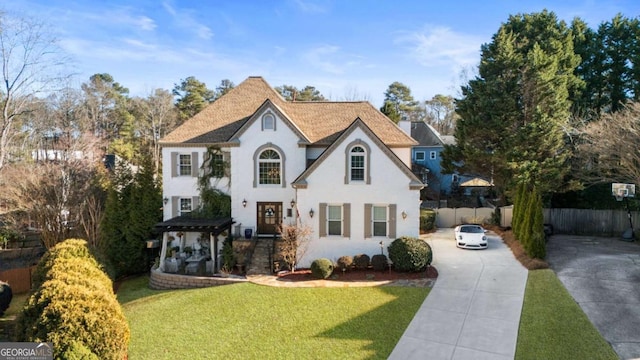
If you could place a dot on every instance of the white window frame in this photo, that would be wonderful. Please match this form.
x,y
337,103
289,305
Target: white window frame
x,y
184,169
360,154
420,156
433,155
374,220
339,219
268,122
183,209
260,161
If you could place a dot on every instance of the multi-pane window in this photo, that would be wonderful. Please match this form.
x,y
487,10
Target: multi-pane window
x,y
379,221
185,206
419,155
357,163
334,220
184,164
269,168
433,155
217,165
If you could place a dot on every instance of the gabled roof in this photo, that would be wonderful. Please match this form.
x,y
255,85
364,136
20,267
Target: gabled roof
x,y
321,122
358,123
426,135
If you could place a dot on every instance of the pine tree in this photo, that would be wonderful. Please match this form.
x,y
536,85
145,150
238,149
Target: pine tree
x,y
512,115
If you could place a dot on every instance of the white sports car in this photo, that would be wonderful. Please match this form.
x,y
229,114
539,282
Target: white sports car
x,y
470,237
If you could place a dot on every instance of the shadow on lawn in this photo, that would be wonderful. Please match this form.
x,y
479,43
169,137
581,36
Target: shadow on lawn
x,y
385,323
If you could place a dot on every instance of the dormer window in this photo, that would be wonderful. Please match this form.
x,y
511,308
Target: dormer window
x,y
268,122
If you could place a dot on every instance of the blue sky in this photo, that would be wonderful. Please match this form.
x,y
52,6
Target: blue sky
x,y
342,47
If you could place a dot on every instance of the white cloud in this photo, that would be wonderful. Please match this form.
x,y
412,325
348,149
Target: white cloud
x,y
184,19
438,46
330,59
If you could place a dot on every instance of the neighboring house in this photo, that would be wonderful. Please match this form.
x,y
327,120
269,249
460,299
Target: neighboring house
x,y
341,168
426,157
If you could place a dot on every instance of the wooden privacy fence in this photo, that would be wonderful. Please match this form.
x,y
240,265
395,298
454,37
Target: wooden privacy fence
x,y
564,221
19,279
448,217
590,222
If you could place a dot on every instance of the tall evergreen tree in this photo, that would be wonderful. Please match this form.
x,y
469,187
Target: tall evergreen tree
x,y
399,103
192,96
512,115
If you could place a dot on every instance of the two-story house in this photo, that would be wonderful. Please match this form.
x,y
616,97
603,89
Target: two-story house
x,y
427,155
341,168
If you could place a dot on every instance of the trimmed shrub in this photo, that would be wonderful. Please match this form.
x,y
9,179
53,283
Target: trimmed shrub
x,y
77,351
74,308
70,248
361,261
410,254
321,268
6,294
427,220
379,262
345,263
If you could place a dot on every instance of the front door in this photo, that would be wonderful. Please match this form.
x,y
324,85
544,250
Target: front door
x,y
269,217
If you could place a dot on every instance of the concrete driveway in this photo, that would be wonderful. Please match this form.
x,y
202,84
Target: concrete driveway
x,y
603,276
473,311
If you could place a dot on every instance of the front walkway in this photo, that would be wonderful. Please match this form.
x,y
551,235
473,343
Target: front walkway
x,y
473,311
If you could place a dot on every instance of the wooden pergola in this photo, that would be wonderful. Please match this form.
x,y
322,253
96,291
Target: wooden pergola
x,y
185,224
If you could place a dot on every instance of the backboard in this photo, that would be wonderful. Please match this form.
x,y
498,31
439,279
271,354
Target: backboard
x,y
621,190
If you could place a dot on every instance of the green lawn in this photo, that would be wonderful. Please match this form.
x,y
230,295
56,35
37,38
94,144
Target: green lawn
x,y
247,321
553,326
8,319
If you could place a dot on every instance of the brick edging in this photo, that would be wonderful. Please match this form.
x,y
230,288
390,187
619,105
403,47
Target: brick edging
x,y
159,280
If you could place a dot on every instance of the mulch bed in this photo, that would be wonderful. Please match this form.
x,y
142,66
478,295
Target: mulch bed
x,y
361,275
517,250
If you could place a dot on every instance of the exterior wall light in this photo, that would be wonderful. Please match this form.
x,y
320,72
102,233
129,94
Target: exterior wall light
x,y
404,215
165,200
293,203
311,213
244,203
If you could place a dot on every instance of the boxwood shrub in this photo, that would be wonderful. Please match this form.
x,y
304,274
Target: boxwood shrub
x,y
410,254
361,261
379,262
74,307
345,263
321,268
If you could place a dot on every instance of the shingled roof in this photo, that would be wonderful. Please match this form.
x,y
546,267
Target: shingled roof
x,y
321,122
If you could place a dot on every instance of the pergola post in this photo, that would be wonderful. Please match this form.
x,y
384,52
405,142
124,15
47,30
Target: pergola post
x,y
163,252
213,245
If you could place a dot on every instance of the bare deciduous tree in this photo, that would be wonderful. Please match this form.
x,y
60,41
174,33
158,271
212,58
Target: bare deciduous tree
x,y
32,65
294,243
56,196
609,147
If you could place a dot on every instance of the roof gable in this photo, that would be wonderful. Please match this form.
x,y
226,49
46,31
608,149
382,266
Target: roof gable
x,y
320,122
415,183
269,105
425,134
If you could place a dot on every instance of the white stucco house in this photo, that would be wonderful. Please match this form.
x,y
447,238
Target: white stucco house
x,y
341,168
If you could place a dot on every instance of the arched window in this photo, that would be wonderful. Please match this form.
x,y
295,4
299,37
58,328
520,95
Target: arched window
x,y
269,168
268,122
357,164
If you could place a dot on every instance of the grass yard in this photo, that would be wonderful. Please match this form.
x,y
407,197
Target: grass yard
x,y
553,326
8,319
248,321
